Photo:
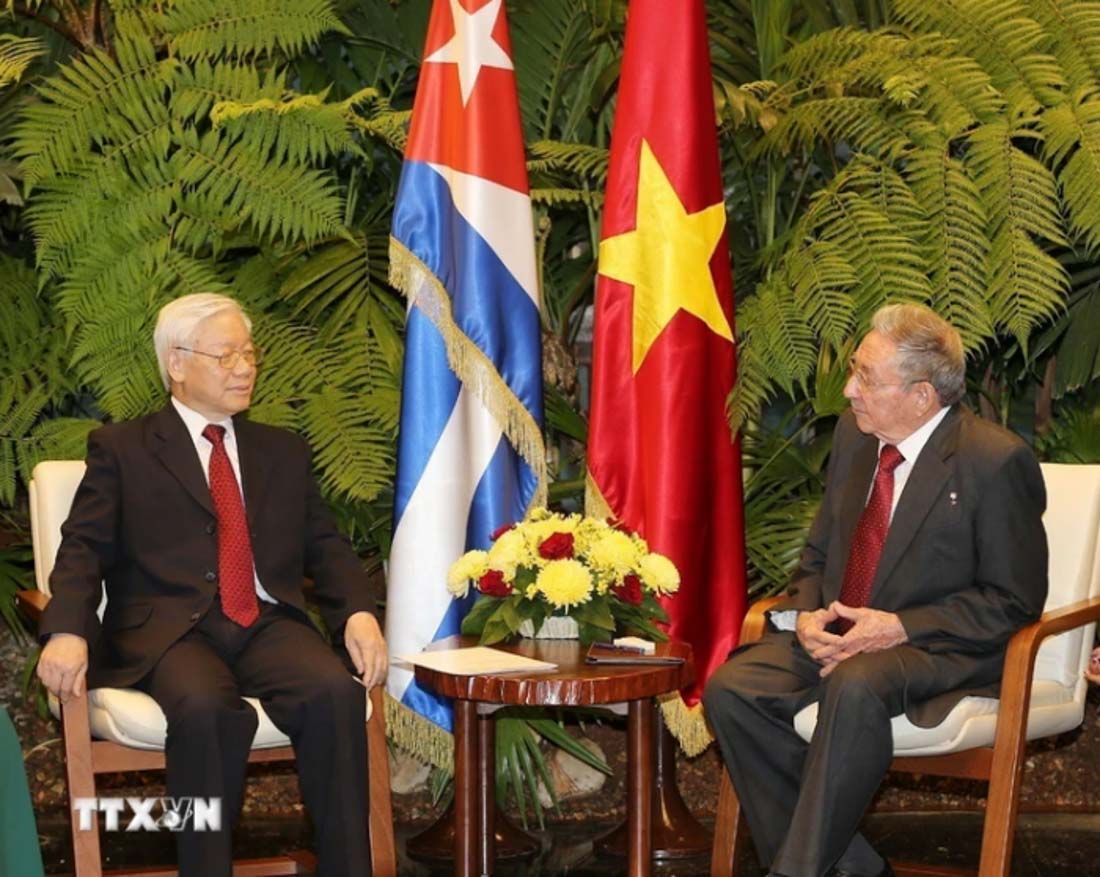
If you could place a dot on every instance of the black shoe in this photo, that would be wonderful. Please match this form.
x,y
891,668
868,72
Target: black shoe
x,y
886,871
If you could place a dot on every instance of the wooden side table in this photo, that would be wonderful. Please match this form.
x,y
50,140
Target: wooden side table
x,y
573,684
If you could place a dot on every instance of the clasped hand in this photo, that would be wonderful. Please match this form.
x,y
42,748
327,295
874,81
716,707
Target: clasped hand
x,y
872,631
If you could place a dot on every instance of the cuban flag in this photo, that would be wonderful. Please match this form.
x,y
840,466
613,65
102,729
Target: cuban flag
x,y
470,455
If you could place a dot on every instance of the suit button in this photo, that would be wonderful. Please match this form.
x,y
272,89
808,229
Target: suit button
x,y
211,576
211,528
195,616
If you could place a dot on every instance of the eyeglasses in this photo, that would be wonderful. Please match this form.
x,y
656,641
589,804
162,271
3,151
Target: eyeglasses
x,y
230,358
869,385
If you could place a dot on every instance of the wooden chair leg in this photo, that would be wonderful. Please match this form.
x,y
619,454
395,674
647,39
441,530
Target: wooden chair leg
x,y
727,830
80,777
383,851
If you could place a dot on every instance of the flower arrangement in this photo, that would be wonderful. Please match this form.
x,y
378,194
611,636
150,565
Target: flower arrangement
x,y
601,575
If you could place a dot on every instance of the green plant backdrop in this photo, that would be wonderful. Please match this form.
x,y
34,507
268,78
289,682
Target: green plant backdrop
x,y
945,151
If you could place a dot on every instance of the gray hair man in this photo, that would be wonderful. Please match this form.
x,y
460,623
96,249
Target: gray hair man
x,y
927,554
201,525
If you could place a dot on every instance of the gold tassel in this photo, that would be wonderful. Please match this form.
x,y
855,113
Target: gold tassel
x,y
424,740
686,724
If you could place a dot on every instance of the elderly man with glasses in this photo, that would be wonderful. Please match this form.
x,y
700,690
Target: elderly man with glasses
x,y
202,525
927,554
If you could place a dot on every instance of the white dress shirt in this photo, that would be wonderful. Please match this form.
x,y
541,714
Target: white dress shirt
x,y
195,424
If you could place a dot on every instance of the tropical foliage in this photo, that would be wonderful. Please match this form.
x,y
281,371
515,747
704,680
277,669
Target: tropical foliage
x,y
945,151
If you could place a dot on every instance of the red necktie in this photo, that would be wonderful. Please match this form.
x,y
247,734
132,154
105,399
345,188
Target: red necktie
x,y
236,578
870,535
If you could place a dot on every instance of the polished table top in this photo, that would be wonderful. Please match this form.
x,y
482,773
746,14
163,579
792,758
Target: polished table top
x,y
574,683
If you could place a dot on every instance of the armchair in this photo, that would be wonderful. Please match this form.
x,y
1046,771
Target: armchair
x,y
110,730
1042,689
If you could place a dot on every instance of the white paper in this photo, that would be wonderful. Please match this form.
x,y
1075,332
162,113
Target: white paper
x,y
476,660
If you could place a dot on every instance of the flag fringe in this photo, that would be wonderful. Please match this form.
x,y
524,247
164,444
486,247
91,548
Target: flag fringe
x,y
595,506
686,724
421,738
470,364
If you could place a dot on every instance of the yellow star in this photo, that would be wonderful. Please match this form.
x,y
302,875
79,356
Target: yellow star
x,y
666,259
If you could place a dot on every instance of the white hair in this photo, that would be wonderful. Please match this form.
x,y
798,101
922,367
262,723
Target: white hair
x,y
178,320
929,348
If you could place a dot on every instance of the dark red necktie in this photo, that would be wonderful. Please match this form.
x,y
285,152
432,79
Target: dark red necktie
x,y
870,535
236,577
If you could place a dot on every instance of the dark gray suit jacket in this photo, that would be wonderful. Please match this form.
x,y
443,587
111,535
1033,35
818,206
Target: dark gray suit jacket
x,y
143,523
965,561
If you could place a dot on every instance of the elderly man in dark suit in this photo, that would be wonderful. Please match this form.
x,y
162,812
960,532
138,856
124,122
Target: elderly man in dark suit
x,y
201,525
927,554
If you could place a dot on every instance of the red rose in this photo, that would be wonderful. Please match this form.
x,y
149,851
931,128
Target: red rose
x,y
500,531
557,546
493,584
629,590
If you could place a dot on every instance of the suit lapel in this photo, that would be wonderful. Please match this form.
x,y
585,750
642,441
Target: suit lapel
x,y
925,483
172,445
255,462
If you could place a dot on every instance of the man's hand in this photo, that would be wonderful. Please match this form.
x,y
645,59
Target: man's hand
x,y
872,631
1092,672
63,664
812,635
364,642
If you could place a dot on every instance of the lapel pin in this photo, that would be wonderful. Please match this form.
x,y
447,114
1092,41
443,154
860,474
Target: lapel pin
x,y
953,499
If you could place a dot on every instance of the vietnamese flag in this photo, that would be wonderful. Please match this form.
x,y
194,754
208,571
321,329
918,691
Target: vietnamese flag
x,y
660,456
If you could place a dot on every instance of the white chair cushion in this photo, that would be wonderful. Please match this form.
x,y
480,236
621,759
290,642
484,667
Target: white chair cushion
x,y
132,718
973,721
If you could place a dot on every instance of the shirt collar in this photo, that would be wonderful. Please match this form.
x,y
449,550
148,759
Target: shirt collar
x,y
911,446
196,422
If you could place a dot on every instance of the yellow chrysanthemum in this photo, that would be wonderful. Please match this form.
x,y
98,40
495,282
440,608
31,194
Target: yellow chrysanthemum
x,y
564,583
589,530
613,553
537,531
472,565
659,574
508,552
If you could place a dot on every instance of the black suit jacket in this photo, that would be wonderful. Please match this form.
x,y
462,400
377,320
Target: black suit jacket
x,y
143,524
965,561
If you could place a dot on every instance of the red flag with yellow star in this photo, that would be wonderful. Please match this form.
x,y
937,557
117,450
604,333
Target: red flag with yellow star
x,y
660,456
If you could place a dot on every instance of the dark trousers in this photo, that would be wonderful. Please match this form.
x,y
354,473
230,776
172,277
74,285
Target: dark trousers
x,y
804,801
310,696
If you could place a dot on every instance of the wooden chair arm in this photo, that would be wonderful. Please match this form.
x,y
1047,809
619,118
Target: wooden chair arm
x,y
756,619
1025,643
32,604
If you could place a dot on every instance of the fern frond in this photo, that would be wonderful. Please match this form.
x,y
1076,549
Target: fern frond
x,y
246,28
1027,286
59,438
16,55
1075,28
93,100
1072,135
201,85
998,33
280,201
956,242
299,129
887,261
581,160
1016,187
864,122
385,124
555,196
820,279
